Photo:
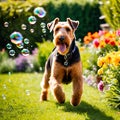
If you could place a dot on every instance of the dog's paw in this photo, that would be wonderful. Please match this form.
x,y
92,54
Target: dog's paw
x,y
75,100
43,96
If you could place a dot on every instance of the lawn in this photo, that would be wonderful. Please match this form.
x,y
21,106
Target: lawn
x,y
19,100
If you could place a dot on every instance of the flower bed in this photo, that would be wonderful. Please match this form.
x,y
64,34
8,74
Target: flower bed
x,y
104,64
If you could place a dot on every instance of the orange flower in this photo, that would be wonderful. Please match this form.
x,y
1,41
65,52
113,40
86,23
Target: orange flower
x,y
102,44
86,40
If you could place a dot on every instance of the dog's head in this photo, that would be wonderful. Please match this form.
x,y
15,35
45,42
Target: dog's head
x,y
63,33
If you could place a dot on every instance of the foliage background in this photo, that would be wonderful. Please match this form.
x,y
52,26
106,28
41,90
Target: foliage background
x,y
17,13
111,10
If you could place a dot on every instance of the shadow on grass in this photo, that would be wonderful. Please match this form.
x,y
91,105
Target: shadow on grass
x,y
93,113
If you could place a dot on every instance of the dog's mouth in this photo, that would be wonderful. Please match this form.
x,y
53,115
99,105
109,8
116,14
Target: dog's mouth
x,y
62,47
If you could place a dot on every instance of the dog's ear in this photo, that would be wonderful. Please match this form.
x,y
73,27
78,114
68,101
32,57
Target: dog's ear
x,y
74,24
52,24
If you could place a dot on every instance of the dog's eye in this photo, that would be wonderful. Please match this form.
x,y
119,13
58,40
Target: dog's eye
x,y
57,29
67,29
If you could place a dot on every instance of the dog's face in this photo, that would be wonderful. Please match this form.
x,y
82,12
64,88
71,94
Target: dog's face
x,y
63,33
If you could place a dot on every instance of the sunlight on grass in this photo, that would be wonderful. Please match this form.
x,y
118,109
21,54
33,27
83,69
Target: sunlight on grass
x,y
19,99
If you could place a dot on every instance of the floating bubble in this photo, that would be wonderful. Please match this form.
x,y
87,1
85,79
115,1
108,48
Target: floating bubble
x,y
43,25
41,69
12,52
25,52
20,45
23,27
4,96
32,30
9,46
16,37
43,30
27,92
9,73
40,12
32,19
6,24
26,41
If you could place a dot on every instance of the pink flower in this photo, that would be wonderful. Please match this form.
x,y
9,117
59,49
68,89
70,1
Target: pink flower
x,y
101,32
100,86
118,32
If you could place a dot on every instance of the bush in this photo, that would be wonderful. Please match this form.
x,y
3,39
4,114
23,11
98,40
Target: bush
x,y
44,51
110,9
16,13
6,64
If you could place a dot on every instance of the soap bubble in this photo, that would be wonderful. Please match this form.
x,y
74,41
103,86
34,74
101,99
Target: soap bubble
x,y
9,46
40,12
20,45
32,19
12,52
6,24
43,25
9,73
16,37
23,27
25,52
27,92
4,96
32,30
43,30
26,41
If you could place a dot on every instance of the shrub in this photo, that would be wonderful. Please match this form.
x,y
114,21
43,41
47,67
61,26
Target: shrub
x,y
45,49
27,63
6,64
110,9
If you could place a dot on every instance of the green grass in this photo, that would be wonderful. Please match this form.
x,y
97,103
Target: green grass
x,y
22,102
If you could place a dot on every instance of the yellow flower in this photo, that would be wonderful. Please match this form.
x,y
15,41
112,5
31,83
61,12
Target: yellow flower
x,y
101,61
82,48
104,66
100,71
108,58
116,60
102,44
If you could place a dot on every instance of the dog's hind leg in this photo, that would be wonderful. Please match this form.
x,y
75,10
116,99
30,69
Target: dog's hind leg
x,y
45,82
44,86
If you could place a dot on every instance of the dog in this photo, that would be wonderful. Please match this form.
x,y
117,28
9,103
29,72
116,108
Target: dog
x,y
64,63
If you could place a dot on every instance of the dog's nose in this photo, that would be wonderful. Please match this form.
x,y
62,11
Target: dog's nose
x,y
62,38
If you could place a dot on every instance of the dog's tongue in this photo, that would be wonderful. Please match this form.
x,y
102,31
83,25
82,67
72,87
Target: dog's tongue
x,y
62,47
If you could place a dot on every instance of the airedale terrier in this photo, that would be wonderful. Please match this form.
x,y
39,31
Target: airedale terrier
x,y
64,64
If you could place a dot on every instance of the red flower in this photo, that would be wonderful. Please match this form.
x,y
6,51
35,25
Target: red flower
x,y
112,43
107,40
96,43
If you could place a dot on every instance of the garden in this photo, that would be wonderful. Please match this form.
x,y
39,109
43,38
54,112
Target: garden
x,y
25,44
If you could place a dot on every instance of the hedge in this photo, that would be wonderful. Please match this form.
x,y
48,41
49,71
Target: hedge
x,y
111,10
16,13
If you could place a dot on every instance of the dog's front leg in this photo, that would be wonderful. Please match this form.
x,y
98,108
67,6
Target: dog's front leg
x,y
77,84
55,82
